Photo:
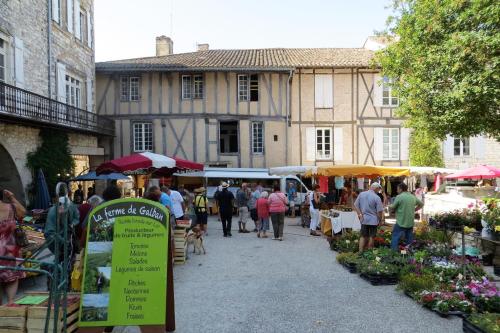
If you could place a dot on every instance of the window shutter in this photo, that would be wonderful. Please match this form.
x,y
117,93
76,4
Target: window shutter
x,y
310,144
61,82
377,90
378,143
56,11
69,12
338,144
77,20
318,91
89,94
405,144
89,29
327,91
479,146
19,62
448,147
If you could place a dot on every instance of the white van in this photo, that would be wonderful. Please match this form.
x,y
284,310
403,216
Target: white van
x,y
211,178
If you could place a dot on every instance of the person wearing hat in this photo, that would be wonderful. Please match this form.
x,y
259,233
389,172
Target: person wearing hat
x,y
225,200
201,208
370,209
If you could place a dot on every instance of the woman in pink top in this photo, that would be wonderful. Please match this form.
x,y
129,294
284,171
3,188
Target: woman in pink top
x,y
277,207
263,214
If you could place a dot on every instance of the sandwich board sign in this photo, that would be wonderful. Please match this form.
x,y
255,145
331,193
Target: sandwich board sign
x,y
125,266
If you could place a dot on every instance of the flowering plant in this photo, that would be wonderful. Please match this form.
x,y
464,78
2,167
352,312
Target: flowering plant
x,y
446,301
485,294
377,268
488,322
457,218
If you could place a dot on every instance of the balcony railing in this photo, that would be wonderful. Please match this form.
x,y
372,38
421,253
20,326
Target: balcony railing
x,y
22,106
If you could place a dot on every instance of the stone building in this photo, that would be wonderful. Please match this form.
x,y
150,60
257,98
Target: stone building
x,y
463,153
253,108
47,80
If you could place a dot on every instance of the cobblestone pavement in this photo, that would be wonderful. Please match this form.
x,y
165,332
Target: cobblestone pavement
x,y
247,284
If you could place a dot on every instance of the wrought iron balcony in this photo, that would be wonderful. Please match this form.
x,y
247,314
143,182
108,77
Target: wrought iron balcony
x,y
22,106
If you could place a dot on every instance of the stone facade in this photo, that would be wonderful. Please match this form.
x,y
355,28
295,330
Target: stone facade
x,y
43,52
482,150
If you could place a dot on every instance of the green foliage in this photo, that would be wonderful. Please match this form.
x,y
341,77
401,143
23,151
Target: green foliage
x,y
53,156
346,257
488,322
425,150
445,65
414,283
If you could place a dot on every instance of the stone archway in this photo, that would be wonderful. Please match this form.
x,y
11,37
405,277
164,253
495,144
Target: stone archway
x,y
9,175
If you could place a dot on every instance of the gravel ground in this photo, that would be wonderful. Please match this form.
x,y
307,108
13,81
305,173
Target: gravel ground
x,y
246,284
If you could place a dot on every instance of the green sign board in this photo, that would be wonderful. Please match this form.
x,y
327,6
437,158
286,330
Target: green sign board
x,y
125,267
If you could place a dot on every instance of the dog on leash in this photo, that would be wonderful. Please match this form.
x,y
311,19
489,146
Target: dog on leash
x,y
195,237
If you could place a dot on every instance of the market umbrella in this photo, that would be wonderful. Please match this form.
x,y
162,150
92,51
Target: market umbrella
x,y
354,170
481,171
93,176
137,164
42,198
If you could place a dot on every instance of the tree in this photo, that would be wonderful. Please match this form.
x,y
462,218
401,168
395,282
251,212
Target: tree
x,y
425,150
444,64
53,156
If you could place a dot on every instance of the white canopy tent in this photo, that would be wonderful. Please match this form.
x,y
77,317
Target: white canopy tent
x,y
292,170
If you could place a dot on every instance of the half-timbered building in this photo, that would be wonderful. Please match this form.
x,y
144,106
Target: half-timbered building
x,y
253,108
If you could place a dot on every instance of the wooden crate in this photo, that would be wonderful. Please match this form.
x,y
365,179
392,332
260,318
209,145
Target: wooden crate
x,y
36,316
12,319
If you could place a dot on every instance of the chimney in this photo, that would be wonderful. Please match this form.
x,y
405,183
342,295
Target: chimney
x,y
164,46
202,47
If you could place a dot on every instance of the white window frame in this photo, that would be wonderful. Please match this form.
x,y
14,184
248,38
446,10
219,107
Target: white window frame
x,y
83,26
56,16
243,87
73,91
142,136
390,100
463,143
4,51
390,149
192,86
323,153
130,88
257,138
135,88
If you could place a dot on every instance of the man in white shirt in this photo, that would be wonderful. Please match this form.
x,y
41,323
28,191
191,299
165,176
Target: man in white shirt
x,y
178,206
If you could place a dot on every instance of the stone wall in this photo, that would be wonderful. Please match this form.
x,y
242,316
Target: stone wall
x,y
491,156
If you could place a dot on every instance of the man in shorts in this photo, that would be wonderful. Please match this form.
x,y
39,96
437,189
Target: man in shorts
x,y
370,209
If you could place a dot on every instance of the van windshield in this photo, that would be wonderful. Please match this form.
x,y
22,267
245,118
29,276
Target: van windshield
x,y
297,184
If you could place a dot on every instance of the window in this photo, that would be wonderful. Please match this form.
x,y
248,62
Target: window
x,y
192,86
143,137
56,10
257,138
323,143
130,87
248,87
388,98
73,91
228,137
83,27
390,144
3,60
323,91
461,147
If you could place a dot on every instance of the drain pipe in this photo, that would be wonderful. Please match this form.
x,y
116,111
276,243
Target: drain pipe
x,y
288,106
49,43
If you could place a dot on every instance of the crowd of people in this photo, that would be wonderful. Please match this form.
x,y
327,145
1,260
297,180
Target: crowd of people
x,y
251,202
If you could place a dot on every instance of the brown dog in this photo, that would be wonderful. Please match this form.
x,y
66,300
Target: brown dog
x,y
195,237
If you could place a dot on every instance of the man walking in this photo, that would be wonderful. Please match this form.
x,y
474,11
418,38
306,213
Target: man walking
x,y
405,206
242,197
292,193
225,200
176,202
369,208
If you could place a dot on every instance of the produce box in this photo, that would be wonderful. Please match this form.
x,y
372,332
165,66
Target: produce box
x,y
12,319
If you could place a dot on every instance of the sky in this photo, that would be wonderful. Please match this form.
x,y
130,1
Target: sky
x,y
127,28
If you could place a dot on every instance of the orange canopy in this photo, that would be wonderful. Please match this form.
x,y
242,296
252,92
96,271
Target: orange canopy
x,y
355,170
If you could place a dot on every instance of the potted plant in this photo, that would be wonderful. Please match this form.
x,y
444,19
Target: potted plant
x,y
446,303
412,284
482,322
